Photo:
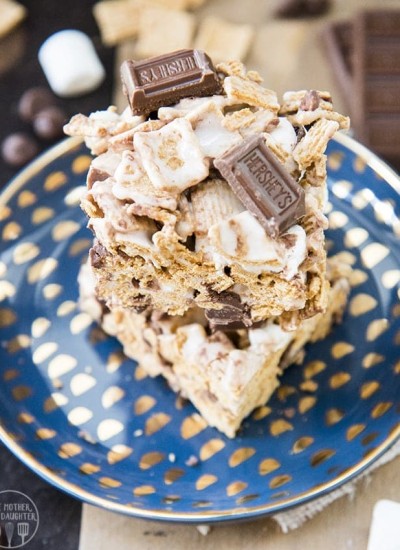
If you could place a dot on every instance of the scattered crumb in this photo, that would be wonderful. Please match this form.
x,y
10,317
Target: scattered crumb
x,y
138,433
203,529
171,457
192,461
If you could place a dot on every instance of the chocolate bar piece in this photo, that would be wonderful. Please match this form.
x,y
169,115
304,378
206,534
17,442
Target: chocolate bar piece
x,y
263,185
232,316
365,55
338,37
164,80
376,113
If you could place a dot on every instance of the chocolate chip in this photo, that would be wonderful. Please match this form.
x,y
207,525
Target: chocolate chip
x,y
18,149
33,101
310,101
232,315
303,8
48,123
97,255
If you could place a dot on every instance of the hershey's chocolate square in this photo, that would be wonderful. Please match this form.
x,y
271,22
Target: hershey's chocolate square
x,y
263,185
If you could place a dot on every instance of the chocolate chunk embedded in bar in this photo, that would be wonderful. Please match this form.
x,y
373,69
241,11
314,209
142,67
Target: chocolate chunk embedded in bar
x,y
164,80
233,314
263,185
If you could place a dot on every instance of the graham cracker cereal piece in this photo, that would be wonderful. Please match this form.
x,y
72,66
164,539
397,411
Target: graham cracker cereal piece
x,y
163,30
118,20
314,143
11,14
224,40
250,92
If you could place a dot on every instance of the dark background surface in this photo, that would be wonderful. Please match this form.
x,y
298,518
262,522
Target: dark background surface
x,y
19,70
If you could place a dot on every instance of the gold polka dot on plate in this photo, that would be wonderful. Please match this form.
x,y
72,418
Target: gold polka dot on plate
x,y
261,412
21,392
109,428
156,422
42,214
373,254
241,455
321,456
172,475
301,444
369,388
205,481
79,246
361,304
51,291
60,365
313,368
7,317
372,359
235,488
337,220
381,409
362,198
279,481
44,351
45,433
109,483
339,379
80,322
148,460
81,164
355,237
280,426
81,383
341,349
5,212
391,278
54,181
79,415
41,269
118,453
66,308
7,290
55,401
306,403
25,252
11,231
143,490
88,469
73,197
354,431
333,416
64,229
40,326
267,466
212,447
342,188
143,404
357,277
192,425
111,396
68,450
21,341
26,198
376,328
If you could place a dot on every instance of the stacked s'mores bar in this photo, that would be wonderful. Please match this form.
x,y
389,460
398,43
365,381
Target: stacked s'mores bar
x,y
206,199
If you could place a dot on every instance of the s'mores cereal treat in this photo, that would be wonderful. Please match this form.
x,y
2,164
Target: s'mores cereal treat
x,y
206,200
207,192
226,375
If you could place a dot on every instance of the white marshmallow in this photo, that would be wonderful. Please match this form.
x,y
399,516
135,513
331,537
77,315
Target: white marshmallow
x,y
385,527
70,63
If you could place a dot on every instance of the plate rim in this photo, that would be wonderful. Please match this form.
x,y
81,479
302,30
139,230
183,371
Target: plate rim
x,y
237,513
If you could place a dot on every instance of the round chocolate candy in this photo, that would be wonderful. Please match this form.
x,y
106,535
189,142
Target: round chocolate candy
x,y
33,101
48,123
18,149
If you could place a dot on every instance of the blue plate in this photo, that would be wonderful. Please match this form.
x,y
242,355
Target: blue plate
x,y
90,422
